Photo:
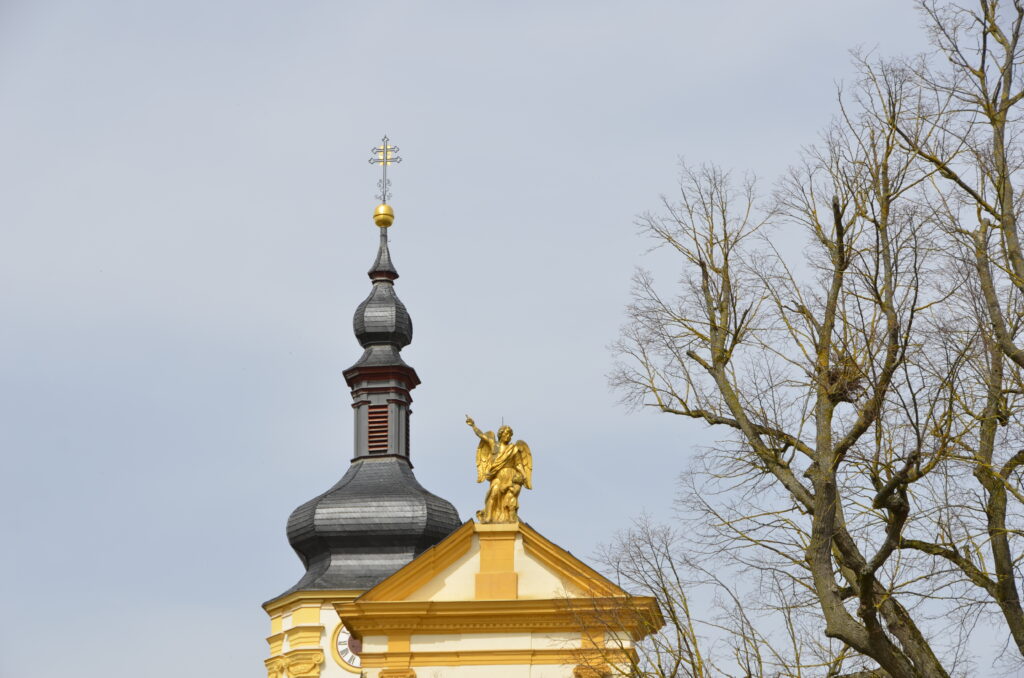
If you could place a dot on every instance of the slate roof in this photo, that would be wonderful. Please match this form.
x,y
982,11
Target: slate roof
x,y
375,520
382,318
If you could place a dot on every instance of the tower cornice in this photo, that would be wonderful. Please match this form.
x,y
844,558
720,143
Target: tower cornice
x,y
364,373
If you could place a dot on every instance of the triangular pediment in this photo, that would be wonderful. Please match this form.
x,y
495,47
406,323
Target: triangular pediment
x,y
493,562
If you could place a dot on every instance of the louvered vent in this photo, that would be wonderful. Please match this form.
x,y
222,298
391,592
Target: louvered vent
x,y
377,430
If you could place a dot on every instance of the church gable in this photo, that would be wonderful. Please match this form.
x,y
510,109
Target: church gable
x,y
497,599
510,561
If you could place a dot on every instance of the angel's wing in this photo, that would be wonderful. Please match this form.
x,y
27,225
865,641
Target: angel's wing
x,y
524,463
483,457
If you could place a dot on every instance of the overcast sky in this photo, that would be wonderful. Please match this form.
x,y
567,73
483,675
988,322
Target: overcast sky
x,y
185,228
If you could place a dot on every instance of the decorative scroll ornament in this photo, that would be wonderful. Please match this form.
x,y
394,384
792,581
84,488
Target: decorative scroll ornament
x,y
304,663
276,667
508,467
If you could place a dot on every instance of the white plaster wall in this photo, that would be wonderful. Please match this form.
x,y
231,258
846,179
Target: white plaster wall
x,y
536,581
476,641
286,623
563,640
375,643
615,640
457,642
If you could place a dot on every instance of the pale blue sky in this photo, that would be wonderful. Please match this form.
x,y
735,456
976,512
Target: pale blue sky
x,y
184,233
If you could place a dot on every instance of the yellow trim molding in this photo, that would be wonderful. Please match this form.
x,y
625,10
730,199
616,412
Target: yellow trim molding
x,y
306,615
276,642
638,615
495,527
497,658
398,654
304,636
284,604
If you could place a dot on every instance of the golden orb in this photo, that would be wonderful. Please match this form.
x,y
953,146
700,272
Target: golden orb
x,y
383,216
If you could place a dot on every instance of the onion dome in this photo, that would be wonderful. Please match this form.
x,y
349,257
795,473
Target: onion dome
x,y
378,517
375,520
382,318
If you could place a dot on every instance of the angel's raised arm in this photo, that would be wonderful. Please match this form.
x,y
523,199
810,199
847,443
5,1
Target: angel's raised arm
x,y
472,425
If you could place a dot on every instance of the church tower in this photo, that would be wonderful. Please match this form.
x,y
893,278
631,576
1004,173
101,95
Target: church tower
x,y
397,587
377,518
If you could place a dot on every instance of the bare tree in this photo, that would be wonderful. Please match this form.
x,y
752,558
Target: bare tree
x,y
870,393
966,126
720,632
853,386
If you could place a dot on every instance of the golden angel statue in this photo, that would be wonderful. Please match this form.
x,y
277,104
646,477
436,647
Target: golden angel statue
x,y
508,466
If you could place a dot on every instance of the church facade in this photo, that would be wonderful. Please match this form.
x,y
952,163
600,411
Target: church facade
x,y
396,585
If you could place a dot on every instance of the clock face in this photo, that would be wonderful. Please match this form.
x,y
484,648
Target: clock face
x,y
347,648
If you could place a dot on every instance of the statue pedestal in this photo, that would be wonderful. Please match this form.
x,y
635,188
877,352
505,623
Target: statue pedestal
x,y
497,578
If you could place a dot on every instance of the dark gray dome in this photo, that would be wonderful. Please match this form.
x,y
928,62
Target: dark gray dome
x,y
382,318
375,520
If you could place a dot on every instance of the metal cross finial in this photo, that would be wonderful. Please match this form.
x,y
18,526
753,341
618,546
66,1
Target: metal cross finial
x,y
384,155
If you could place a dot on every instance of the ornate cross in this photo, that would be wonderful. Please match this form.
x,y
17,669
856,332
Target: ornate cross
x,y
384,155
